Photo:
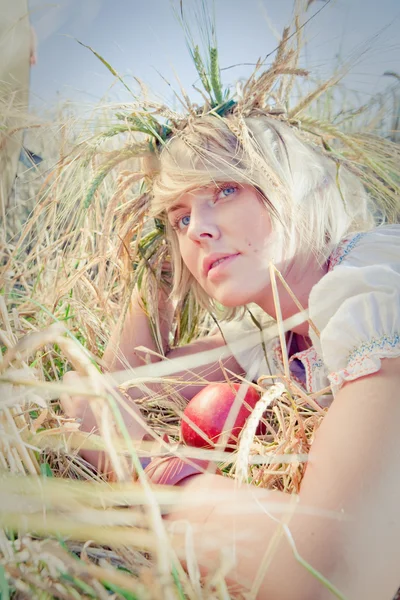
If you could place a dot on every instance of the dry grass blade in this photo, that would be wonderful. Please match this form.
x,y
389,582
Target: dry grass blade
x,y
249,431
67,264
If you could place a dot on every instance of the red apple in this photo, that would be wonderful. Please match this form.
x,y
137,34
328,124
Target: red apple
x,y
209,410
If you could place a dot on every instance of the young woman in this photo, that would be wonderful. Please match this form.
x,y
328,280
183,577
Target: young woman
x,y
237,195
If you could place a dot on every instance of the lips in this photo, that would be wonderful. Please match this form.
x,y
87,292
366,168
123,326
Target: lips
x,y
214,260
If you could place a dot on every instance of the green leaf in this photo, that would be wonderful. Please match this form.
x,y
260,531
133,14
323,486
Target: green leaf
x,y
45,470
4,587
107,64
87,589
215,75
175,576
94,187
224,108
112,587
201,69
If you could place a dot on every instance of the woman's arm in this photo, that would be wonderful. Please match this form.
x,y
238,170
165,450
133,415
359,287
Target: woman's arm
x,y
134,332
121,351
353,471
355,467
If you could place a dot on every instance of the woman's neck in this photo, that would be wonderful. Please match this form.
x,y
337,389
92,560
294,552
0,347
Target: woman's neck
x,y
300,284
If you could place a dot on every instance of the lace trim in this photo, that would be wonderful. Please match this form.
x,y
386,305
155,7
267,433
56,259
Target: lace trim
x,y
344,248
366,359
312,364
310,360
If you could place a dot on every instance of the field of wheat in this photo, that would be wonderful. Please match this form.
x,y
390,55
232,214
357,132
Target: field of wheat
x,y
74,244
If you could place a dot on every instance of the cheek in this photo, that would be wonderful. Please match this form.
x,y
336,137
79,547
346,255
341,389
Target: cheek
x,y
188,254
265,242
257,229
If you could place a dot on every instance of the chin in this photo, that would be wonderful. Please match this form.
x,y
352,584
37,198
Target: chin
x,y
233,298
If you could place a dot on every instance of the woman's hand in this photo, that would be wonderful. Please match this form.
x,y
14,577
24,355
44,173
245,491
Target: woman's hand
x,y
121,352
74,407
80,408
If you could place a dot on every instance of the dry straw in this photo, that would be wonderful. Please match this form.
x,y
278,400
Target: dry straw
x,y
68,268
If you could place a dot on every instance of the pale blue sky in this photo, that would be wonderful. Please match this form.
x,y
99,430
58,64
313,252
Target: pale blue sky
x,y
143,38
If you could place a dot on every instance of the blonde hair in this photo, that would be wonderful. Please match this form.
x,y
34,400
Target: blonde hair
x,y
312,200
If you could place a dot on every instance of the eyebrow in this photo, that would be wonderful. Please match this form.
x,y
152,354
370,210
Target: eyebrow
x,y
212,186
175,207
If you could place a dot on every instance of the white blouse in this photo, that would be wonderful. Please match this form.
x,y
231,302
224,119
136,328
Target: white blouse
x,y
356,309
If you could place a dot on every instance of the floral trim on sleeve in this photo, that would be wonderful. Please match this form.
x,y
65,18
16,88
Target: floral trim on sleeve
x,y
314,369
313,366
366,359
343,249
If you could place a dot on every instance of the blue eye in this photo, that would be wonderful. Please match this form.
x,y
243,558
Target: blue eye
x,y
184,221
228,191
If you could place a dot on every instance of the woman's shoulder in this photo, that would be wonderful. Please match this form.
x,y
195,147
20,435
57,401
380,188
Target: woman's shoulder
x,y
362,262
355,305
381,244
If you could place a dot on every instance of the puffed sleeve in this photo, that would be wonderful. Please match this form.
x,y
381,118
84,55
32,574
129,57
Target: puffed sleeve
x,y
356,306
257,357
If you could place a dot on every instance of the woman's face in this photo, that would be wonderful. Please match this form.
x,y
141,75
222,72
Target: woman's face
x,y
226,241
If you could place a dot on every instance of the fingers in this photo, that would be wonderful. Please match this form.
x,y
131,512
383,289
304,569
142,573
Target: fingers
x,y
73,406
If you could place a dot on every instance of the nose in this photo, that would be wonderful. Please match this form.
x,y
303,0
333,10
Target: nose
x,y
202,225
